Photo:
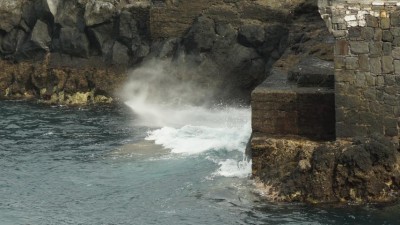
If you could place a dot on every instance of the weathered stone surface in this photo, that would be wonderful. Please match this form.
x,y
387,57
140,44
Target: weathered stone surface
x,y
97,30
10,14
74,42
366,90
71,15
387,64
352,63
120,54
40,35
280,109
97,12
12,41
358,171
359,47
251,35
313,72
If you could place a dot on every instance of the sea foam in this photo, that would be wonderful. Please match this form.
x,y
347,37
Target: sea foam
x,y
184,121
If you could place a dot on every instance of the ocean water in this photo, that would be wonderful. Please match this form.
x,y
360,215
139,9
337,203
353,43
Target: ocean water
x,y
101,165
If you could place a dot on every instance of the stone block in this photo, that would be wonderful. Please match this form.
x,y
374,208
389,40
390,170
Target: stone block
x,y
391,90
370,94
339,62
360,79
352,63
378,34
349,18
396,41
354,33
380,81
372,21
375,49
370,79
395,19
385,23
363,60
367,33
359,47
339,33
391,128
387,48
342,47
345,76
390,80
387,64
395,31
396,52
376,65
387,36
396,67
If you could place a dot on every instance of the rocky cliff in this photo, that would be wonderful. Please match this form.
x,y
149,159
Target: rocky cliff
x,y
79,51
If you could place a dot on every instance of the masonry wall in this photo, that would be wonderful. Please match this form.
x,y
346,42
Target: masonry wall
x,y
367,65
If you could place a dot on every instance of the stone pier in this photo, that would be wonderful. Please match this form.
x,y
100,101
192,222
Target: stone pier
x,y
338,142
367,65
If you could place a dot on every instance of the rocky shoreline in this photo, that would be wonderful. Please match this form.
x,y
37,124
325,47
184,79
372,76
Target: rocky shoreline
x,y
81,51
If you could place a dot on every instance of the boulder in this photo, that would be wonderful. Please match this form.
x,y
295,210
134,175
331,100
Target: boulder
x,y
40,35
103,37
74,42
71,15
201,35
10,14
251,35
52,6
99,11
127,25
120,54
12,41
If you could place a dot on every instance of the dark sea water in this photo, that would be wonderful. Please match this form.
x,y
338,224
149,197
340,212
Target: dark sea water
x,y
69,165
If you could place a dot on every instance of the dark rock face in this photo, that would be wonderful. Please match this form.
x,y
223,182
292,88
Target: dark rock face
x,y
365,170
231,45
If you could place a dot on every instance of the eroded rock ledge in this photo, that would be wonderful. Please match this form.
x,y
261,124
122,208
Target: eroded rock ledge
x,y
358,171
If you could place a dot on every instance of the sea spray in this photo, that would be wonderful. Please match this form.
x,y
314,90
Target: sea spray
x,y
185,118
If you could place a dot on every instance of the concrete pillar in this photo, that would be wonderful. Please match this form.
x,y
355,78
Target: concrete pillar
x,y
367,65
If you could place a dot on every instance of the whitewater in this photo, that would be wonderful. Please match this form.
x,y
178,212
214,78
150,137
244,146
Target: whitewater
x,y
169,155
186,119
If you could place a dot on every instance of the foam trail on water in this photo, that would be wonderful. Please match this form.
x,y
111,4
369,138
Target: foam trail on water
x,y
162,101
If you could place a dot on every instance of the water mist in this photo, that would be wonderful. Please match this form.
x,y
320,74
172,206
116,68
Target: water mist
x,y
184,115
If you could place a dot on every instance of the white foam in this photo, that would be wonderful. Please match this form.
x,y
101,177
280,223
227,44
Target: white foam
x,y
233,168
187,127
197,139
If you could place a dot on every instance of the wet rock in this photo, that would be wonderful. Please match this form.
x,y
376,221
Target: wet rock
x,y
40,35
71,15
97,12
52,6
102,39
365,170
11,41
120,54
201,36
10,14
74,42
251,35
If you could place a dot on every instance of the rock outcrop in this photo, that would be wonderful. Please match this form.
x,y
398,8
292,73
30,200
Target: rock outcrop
x,y
358,171
231,45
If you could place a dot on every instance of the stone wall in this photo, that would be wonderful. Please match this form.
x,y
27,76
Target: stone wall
x,y
367,66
